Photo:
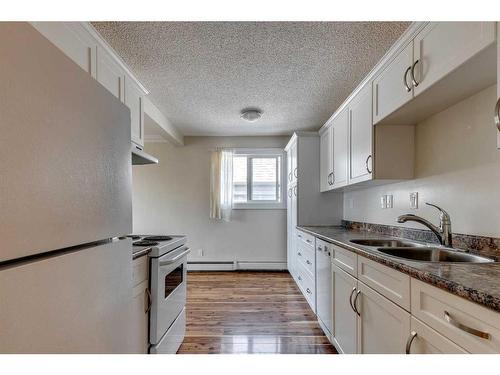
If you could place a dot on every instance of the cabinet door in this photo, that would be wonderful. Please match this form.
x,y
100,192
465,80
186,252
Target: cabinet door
x,y
324,284
383,327
133,100
340,127
344,318
392,87
289,168
139,324
294,165
72,39
291,224
326,159
361,137
424,340
441,47
110,74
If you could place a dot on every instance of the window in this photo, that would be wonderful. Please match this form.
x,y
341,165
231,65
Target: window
x,y
257,178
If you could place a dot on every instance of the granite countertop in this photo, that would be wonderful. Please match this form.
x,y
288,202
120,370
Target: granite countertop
x,y
477,282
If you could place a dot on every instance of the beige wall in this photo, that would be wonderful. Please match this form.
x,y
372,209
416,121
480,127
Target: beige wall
x,y
457,167
173,197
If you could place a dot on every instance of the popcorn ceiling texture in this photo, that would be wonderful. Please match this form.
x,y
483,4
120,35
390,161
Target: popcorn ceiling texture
x,y
202,74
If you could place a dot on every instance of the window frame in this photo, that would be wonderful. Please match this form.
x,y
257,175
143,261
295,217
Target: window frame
x,y
252,153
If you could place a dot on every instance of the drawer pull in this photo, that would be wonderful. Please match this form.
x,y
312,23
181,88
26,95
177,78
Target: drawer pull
x,y
299,254
300,278
308,241
412,336
308,290
308,262
354,302
472,331
319,248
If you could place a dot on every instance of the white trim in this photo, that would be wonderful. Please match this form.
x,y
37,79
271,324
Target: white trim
x,y
154,138
236,266
210,266
264,266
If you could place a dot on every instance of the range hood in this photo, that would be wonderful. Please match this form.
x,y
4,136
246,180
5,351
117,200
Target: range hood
x,y
139,157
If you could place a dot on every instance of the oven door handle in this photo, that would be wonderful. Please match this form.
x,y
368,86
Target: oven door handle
x,y
176,258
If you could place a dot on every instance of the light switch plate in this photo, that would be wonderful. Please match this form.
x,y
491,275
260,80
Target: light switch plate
x,y
414,200
389,201
383,201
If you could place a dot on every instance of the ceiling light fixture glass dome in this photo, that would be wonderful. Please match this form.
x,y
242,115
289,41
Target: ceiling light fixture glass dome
x,y
251,114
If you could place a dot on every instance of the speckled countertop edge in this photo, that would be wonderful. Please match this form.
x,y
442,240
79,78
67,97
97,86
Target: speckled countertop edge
x,y
487,295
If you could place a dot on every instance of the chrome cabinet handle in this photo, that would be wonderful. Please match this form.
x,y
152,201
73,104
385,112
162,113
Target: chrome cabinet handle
x,y
300,278
308,241
355,301
290,176
295,173
413,80
289,193
497,114
319,248
308,290
412,336
405,82
350,299
366,163
330,175
472,331
299,254
295,190
150,301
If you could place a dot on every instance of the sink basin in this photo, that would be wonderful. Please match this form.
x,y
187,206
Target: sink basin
x,y
433,254
384,243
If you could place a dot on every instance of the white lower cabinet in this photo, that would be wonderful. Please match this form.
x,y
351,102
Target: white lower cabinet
x,y
425,340
139,322
344,318
383,326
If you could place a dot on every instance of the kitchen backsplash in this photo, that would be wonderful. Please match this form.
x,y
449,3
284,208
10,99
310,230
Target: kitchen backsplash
x,y
487,246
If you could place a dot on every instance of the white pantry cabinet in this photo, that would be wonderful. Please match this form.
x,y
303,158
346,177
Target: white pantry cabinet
x,y
344,317
383,326
74,40
361,137
392,87
326,159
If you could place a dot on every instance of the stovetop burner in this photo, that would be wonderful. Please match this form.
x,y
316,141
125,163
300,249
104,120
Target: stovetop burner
x,y
157,238
145,243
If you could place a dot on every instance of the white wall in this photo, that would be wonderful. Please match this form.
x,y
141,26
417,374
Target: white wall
x,y
173,197
457,167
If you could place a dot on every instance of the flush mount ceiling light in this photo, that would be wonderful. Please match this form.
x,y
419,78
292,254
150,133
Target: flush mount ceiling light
x,y
251,115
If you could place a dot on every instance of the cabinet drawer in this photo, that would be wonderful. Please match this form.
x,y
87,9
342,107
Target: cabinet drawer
x,y
461,321
306,257
392,284
345,259
307,286
307,238
429,341
140,271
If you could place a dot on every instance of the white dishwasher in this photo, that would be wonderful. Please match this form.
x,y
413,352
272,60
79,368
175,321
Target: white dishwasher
x,y
324,286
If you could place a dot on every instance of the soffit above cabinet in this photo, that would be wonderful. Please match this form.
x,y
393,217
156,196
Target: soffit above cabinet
x,y
202,74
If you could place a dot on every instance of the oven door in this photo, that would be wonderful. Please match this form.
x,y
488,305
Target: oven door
x,y
168,289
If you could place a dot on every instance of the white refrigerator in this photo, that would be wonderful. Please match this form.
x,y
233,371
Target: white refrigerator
x,y
65,199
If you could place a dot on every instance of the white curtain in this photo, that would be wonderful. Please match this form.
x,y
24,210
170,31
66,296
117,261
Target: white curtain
x,y
221,184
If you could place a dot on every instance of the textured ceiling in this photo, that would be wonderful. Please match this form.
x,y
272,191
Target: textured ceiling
x,y
202,74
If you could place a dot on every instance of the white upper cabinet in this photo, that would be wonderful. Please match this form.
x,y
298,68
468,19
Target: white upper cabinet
x,y
134,100
110,74
393,87
340,131
72,39
361,136
441,47
326,159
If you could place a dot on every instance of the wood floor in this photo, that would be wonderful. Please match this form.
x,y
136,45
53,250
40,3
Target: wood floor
x,y
249,312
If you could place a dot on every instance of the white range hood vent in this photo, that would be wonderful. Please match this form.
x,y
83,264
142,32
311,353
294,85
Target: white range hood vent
x,y
139,157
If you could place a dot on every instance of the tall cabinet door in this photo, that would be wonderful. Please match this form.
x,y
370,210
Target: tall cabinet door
x,y
361,137
294,164
326,159
290,230
344,323
392,87
340,133
383,327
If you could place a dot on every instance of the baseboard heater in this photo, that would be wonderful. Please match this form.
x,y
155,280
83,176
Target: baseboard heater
x,y
235,266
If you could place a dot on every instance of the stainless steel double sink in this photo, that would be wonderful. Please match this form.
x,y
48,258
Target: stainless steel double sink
x,y
420,252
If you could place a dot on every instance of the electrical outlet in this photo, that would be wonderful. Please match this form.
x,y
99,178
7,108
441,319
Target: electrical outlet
x,y
389,201
414,200
200,252
383,201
